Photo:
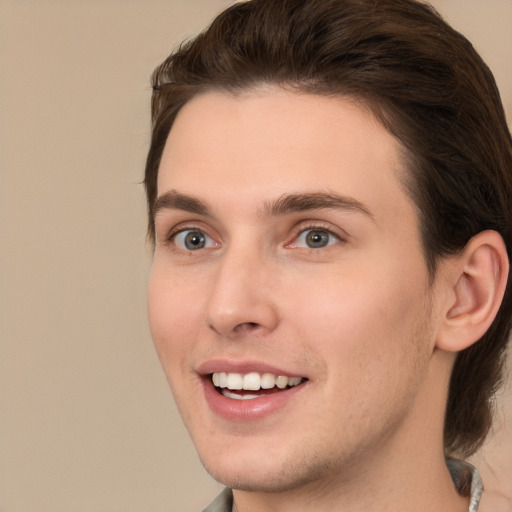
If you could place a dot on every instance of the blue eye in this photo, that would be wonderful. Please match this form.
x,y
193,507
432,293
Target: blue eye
x,y
192,240
316,238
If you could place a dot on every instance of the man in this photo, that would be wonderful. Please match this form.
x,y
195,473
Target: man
x,y
329,190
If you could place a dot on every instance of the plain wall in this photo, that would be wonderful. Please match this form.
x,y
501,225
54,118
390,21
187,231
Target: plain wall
x,y
86,419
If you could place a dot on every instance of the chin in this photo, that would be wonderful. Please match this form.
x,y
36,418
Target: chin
x,y
248,480
268,474
240,472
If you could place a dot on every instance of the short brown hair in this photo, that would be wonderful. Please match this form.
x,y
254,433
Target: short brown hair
x,y
425,82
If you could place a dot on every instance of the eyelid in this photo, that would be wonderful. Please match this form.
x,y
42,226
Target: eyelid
x,y
301,240
170,234
309,225
168,221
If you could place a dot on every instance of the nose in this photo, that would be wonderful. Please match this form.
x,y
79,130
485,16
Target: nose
x,y
241,301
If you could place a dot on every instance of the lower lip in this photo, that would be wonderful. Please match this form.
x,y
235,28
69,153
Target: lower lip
x,y
247,410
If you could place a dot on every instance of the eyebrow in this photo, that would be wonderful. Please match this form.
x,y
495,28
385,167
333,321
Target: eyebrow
x,y
284,205
292,203
174,200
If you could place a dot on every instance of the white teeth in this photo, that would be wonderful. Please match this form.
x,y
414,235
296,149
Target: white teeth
x,y
235,381
235,396
252,381
267,381
281,381
220,380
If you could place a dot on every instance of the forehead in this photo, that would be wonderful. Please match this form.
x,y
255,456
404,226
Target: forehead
x,y
261,144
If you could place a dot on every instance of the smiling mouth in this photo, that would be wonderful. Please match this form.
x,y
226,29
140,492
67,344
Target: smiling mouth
x,y
252,385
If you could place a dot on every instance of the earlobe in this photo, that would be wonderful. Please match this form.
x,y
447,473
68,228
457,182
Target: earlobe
x,y
479,277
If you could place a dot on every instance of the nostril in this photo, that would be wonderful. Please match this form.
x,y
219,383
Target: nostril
x,y
247,326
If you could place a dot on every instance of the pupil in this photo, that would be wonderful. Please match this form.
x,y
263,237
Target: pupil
x,y
194,240
317,239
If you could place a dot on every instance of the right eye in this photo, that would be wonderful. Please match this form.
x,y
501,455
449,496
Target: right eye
x,y
193,240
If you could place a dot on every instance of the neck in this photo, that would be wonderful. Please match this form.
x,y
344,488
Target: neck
x,y
405,472
410,485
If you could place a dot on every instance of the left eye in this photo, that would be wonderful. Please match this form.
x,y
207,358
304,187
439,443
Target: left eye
x,y
193,239
316,238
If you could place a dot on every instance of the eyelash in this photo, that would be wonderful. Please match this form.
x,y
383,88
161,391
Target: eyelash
x,y
317,226
175,233
300,231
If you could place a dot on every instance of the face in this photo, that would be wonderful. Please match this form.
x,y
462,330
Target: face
x,y
289,298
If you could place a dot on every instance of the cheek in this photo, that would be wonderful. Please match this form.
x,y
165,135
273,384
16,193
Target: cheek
x,y
361,317
174,315
375,341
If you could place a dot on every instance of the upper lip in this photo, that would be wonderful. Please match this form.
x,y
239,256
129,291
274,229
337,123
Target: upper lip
x,y
242,367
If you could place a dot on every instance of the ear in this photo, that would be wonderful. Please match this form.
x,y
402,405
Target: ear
x,y
477,279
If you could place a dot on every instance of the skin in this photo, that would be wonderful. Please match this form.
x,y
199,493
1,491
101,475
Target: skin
x,y
358,317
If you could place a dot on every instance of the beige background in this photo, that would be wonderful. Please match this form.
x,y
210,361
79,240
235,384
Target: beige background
x,y
86,420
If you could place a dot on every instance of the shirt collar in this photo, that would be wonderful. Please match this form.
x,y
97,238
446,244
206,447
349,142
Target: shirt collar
x,y
467,481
